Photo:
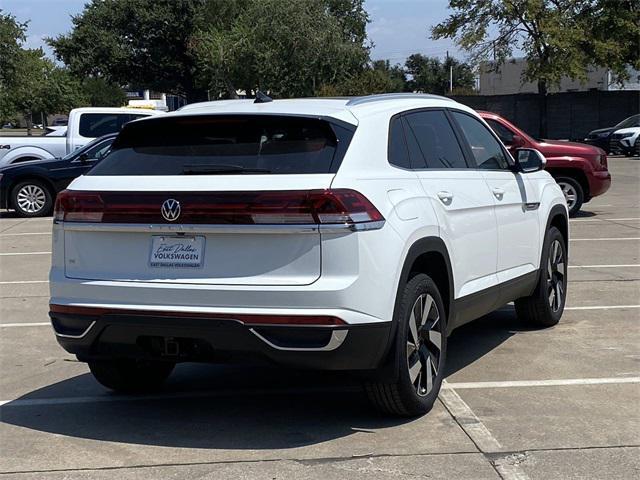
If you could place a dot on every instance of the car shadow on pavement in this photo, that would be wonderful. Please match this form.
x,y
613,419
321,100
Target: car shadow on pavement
x,y
233,407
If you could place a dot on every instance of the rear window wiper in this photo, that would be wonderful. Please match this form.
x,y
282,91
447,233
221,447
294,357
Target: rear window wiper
x,y
220,170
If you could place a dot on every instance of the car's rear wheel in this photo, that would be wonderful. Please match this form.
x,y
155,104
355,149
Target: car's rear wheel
x,y
420,351
31,198
573,193
131,376
545,306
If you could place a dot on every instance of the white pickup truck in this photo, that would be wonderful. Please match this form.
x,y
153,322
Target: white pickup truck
x,y
85,124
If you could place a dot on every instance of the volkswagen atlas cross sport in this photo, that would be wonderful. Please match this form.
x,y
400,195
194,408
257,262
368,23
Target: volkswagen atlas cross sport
x,y
336,234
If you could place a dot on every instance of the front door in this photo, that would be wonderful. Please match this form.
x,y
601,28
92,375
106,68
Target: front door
x,y
513,198
460,197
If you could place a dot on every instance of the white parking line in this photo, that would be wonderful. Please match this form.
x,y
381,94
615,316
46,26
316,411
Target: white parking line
x,y
541,383
20,234
35,324
11,254
606,266
25,282
607,239
602,307
580,220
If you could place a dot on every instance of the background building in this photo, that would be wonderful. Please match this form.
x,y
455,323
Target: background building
x,y
508,80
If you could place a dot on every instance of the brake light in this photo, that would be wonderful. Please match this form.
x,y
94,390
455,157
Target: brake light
x,y
297,207
78,207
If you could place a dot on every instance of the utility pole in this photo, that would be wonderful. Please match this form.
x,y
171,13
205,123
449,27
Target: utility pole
x,y
450,74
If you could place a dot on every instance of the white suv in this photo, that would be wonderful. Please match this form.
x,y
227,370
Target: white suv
x,y
339,234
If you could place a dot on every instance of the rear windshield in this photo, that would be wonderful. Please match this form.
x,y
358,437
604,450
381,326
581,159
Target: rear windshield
x,y
227,144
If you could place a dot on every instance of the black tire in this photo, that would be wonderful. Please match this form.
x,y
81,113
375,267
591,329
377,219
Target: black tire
x,y
32,198
571,187
545,305
131,376
405,396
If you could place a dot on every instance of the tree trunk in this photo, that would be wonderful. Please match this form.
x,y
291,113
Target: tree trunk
x,y
542,100
29,120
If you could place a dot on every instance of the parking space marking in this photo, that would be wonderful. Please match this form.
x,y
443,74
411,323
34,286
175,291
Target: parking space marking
x,y
605,266
20,234
12,254
602,307
540,383
478,433
607,239
26,282
586,220
33,324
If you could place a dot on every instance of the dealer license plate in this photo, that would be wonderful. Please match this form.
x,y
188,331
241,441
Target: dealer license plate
x,y
177,252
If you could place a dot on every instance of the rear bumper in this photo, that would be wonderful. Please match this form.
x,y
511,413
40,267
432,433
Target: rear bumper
x,y
184,337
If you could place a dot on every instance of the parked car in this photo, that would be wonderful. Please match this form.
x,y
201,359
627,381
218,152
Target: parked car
x,y
336,234
626,141
581,170
602,136
85,124
31,188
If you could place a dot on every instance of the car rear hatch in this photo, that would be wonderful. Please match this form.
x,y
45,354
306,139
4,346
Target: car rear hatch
x,y
226,200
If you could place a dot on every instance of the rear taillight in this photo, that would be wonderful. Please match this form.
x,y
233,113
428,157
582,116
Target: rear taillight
x,y
78,207
320,207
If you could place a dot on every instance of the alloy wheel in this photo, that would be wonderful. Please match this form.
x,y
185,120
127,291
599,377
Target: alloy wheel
x,y
570,194
31,198
424,344
556,275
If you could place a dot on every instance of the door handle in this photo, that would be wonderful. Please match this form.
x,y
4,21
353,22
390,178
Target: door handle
x,y
498,192
445,197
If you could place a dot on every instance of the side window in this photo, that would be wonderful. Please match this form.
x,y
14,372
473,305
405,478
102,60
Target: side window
x,y
435,139
398,154
93,125
99,150
487,151
504,134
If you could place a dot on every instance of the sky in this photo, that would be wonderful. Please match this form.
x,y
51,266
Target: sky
x,y
398,28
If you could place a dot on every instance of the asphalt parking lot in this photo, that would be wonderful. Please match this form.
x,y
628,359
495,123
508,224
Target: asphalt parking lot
x,y
518,403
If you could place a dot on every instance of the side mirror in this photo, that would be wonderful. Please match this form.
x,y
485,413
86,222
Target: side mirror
x,y
529,160
517,141
83,158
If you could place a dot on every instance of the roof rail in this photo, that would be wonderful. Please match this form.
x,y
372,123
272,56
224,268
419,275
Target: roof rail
x,y
393,96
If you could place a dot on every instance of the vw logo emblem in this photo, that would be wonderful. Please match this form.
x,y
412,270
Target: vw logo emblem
x,y
170,210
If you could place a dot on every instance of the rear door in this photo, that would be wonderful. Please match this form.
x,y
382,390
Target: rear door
x,y
460,197
515,201
205,200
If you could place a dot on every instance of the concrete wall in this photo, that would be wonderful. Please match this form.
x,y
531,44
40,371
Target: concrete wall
x,y
570,115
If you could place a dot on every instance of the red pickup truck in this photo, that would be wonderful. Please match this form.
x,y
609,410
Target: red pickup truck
x,y
580,169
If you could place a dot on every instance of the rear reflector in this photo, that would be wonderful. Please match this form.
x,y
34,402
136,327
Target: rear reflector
x,y
319,320
339,206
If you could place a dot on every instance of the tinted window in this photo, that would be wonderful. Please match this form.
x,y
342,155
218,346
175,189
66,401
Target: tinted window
x,y
100,124
221,144
436,140
487,151
398,154
633,121
503,132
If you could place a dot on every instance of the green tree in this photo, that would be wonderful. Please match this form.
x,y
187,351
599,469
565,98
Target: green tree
x,y
100,93
288,48
135,42
431,75
379,77
30,84
558,37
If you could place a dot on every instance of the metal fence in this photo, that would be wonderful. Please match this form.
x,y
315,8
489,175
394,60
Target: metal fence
x,y
570,115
